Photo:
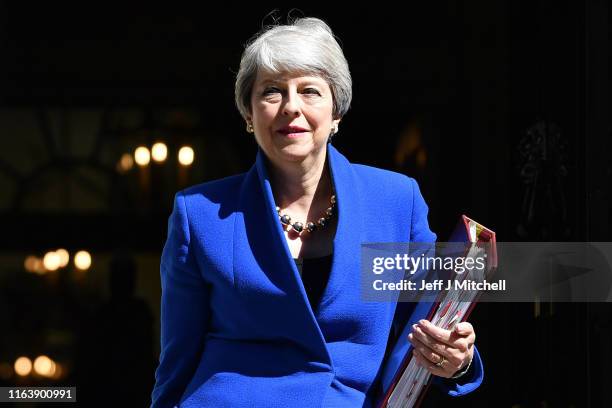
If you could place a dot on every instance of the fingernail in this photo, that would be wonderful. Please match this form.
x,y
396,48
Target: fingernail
x,y
414,327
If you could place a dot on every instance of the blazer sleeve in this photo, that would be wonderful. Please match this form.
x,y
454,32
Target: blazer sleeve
x,y
184,311
421,233
419,229
467,383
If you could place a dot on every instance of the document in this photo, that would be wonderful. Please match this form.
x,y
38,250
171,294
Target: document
x,y
404,382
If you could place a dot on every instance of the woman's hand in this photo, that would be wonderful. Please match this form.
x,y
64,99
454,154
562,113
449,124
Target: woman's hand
x,y
442,352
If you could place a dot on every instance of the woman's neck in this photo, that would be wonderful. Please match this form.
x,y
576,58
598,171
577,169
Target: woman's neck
x,y
300,186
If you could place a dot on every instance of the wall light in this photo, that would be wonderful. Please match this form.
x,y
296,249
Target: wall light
x,y
185,156
44,366
82,260
159,151
52,261
23,366
64,257
142,156
126,162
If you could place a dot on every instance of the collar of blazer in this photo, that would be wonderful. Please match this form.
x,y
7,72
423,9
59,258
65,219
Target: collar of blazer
x,y
349,232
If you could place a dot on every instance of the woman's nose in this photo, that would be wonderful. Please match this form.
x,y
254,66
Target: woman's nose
x,y
292,105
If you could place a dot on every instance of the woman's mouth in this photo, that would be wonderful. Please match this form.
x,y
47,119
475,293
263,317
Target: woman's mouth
x,y
292,131
291,135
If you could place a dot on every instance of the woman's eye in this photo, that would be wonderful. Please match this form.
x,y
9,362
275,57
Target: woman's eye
x,y
269,91
311,91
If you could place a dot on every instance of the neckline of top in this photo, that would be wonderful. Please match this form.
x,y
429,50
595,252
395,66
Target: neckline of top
x,y
318,258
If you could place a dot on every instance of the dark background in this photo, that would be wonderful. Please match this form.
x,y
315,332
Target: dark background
x,y
500,110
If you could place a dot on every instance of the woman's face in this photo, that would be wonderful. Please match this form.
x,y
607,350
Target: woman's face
x,y
292,116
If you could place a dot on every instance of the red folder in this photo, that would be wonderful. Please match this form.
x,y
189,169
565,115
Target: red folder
x,y
411,393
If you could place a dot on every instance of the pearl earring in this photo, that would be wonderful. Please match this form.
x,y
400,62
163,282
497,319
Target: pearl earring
x,y
249,127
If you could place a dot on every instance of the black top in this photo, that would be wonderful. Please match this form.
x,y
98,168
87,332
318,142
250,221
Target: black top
x,y
315,274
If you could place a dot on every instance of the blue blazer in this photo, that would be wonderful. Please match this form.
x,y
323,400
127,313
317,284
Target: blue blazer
x,y
237,329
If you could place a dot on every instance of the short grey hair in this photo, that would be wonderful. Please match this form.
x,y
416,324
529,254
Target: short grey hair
x,y
306,46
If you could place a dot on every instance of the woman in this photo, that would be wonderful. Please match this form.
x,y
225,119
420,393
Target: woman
x,y
260,293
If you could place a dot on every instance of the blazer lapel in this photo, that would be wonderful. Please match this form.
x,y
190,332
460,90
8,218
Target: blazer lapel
x,y
283,272
345,260
271,252
349,233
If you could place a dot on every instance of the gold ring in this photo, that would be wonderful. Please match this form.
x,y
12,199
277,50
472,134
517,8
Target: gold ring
x,y
439,363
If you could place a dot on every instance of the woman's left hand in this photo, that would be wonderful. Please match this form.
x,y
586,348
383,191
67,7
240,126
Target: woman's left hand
x,y
442,352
